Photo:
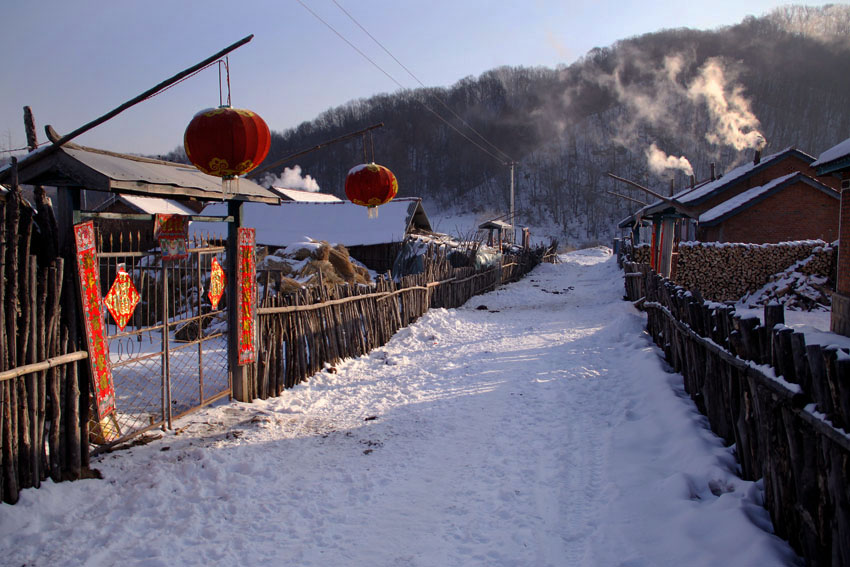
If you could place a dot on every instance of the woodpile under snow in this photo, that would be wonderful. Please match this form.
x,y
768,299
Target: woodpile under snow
x,y
310,264
728,272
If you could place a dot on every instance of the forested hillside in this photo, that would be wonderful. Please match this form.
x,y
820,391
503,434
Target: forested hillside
x,y
649,108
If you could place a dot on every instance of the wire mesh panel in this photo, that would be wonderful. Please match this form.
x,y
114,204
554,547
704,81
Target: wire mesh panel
x,y
170,358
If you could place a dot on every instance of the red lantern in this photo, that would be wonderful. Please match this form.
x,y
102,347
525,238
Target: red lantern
x,y
370,185
226,142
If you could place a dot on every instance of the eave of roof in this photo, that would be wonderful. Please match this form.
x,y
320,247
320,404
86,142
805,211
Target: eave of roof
x,y
834,159
100,170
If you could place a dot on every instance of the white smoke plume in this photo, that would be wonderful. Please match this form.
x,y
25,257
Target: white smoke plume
x,y
656,98
734,124
659,162
291,178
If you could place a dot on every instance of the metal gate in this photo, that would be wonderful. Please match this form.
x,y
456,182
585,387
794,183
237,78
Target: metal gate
x,y
171,358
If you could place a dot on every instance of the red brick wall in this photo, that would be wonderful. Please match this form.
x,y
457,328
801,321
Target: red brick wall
x,y
798,212
788,165
843,284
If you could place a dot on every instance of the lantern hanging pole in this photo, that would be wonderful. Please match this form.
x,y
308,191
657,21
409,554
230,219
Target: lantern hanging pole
x,y
300,153
152,91
673,202
48,150
638,201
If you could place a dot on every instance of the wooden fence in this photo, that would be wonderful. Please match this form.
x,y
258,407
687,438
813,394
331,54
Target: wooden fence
x,y
301,332
43,426
784,404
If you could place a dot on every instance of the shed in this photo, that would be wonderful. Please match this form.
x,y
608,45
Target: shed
x,y
97,176
374,242
505,231
100,170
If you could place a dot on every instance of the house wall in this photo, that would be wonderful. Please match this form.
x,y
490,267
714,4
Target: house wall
x,y
798,212
378,257
783,167
843,283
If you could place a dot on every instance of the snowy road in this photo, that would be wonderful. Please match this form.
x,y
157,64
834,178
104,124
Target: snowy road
x,y
542,430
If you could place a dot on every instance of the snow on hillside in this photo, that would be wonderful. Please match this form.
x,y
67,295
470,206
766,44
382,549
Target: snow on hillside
x,y
537,425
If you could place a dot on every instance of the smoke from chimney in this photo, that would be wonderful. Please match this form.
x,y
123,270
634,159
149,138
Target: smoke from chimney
x,y
733,123
290,178
659,162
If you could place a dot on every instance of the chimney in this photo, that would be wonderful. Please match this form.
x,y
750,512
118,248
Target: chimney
x,y
672,186
693,181
757,157
713,177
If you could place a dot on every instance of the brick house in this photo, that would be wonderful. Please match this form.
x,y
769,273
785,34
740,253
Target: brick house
x,y
771,199
749,202
834,164
791,207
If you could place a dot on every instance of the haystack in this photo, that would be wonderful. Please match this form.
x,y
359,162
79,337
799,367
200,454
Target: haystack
x,y
300,264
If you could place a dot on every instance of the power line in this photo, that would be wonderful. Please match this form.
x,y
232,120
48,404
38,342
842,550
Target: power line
x,y
415,78
393,79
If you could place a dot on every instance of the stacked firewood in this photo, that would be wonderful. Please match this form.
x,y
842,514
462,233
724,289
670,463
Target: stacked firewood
x,y
726,272
804,286
640,254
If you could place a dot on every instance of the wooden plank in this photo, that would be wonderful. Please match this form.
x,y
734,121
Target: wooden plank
x,y
43,365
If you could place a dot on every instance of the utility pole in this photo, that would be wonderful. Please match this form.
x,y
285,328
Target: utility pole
x,y
512,164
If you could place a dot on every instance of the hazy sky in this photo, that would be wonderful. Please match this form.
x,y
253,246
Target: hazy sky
x,y
74,61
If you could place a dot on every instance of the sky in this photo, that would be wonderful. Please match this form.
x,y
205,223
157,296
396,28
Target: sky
x,y
75,61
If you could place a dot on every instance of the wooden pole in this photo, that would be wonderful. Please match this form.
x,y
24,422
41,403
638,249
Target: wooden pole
x,y
638,201
685,209
238,374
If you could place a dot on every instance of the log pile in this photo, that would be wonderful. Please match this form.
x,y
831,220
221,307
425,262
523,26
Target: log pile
x,y
640,254
726,272
801,287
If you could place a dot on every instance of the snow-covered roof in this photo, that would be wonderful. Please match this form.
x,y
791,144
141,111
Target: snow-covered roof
x,y
154,205
101,170
338,222
752,196
700,194
498,224
833,154
303,196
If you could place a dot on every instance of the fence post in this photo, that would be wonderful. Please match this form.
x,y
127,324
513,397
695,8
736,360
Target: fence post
x,y
238,374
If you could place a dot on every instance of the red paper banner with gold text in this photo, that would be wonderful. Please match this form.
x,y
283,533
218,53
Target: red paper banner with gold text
x,y
246,284
93,314
173,233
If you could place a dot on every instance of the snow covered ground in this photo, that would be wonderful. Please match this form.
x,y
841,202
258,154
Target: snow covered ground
x,y
535,426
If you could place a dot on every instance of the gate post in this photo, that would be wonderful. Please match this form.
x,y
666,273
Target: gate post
x,y
238,374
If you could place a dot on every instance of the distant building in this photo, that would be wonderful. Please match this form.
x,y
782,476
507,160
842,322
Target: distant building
x,y
770,199
303,196
374,242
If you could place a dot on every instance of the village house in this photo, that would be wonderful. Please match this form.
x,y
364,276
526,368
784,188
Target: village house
x,y
766,200
834,164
